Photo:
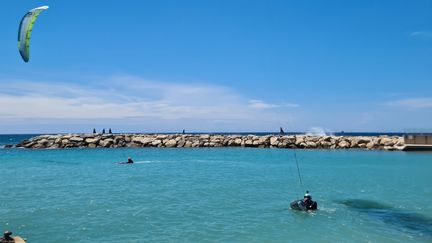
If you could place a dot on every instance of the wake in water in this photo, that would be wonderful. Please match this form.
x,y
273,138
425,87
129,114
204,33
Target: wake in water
x,y
138,162
146,162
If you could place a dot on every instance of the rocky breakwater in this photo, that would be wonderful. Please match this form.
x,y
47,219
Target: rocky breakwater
x,y
207,140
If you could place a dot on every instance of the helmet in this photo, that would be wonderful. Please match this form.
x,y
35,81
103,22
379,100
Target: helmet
x,y
7,233
307,195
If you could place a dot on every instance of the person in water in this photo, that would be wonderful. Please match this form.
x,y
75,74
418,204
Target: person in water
x,y
129,161
7,237
308,203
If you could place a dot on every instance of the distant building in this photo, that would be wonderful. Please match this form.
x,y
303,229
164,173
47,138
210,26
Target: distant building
x,y
418,141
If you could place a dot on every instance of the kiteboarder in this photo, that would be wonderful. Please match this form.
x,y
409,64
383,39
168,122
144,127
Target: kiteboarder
x,y
7,237
304,205
309,204
129,161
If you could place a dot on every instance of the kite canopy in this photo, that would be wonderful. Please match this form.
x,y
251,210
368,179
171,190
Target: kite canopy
x,y
25,29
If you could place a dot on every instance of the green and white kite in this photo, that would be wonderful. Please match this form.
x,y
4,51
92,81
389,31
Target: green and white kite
x,y
25,29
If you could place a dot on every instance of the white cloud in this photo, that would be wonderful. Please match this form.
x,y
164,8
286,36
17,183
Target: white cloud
x,y
412,103
131,98
426,34
259,104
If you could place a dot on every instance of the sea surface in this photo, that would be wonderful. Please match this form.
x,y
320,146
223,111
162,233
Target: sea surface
x,y
14,138
215,195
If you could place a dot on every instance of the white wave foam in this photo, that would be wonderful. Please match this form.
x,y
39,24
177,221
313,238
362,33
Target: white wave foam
x,y
318,131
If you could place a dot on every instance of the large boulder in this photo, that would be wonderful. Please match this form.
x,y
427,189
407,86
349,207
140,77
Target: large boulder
x,y
38,146
362,140
237,142
156,142
274,141
188,144
181,143
299,140
386,141
143,140
92,140
106,143
370,145
310,144
171,143
312,139
325,144
64,142
204,137
248,143
344,144
27,144
76,139
400,142
265,140
43,141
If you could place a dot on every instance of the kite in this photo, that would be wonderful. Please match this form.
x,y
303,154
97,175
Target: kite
x,y
25,29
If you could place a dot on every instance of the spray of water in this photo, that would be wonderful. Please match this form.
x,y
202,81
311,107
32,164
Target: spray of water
x,y
318,131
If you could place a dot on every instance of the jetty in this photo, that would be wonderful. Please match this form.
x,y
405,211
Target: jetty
x,y
98,140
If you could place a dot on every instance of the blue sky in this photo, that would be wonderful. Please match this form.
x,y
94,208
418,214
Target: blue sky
x,y
161,66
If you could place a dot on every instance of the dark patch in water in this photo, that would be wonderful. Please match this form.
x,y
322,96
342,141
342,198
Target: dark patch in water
x,y
364,204
392,216
51,161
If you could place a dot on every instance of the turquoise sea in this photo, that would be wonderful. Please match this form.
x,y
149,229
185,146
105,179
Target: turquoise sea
x,y
215,195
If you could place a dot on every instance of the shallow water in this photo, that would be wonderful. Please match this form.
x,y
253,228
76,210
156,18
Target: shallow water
x,y
215,195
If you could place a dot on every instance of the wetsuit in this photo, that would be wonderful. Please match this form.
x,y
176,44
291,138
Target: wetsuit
x,y
7,239
311,205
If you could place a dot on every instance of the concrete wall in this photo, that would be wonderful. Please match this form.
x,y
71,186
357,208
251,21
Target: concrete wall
x,y
418,139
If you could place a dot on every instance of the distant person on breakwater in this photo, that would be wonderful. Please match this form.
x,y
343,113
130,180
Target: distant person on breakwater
x,y
110,132
94,130
103,131
7,237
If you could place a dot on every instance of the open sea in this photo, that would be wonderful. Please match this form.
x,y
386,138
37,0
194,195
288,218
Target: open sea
x,y
214,195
